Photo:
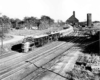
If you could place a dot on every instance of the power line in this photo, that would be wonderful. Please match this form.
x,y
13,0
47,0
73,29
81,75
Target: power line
x,y
91,43
47,69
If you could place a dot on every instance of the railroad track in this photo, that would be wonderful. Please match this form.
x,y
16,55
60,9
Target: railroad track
x,y
38,59
18,68
4,61
7,63
34,76
13,52
7,74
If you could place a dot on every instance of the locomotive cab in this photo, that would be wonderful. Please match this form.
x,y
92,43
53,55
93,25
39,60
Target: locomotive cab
x,y
28,44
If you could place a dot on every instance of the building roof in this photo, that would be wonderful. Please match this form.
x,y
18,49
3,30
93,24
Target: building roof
x,y
72,19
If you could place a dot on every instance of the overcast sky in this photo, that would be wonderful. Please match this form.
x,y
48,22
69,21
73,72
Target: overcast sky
x,y
56,9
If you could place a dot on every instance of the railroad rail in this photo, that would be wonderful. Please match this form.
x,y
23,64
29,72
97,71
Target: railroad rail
x,y
13,72
72,40
40,58
30,77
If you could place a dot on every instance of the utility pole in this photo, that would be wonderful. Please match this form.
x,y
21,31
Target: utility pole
x,y
1,35
2,41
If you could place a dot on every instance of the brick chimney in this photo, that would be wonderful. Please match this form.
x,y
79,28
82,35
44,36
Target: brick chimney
x,y
74,13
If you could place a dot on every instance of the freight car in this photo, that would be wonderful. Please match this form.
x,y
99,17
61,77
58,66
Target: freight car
x,y
30,42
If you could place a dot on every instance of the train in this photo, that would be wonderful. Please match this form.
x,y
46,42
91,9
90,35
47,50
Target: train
x,y
30,42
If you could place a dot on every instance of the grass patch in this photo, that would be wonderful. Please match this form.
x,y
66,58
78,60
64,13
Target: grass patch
x,y
24,32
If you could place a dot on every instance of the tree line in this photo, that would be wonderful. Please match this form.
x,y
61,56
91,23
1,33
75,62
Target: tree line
x,y
7,23
26,22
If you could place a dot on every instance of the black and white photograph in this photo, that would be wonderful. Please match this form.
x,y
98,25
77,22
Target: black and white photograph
x,y
49,39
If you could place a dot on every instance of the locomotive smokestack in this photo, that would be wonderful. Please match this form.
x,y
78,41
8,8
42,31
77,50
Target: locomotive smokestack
x,y
89,21
74,13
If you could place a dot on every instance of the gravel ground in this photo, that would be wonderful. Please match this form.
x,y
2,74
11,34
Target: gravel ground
x,y
60,65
